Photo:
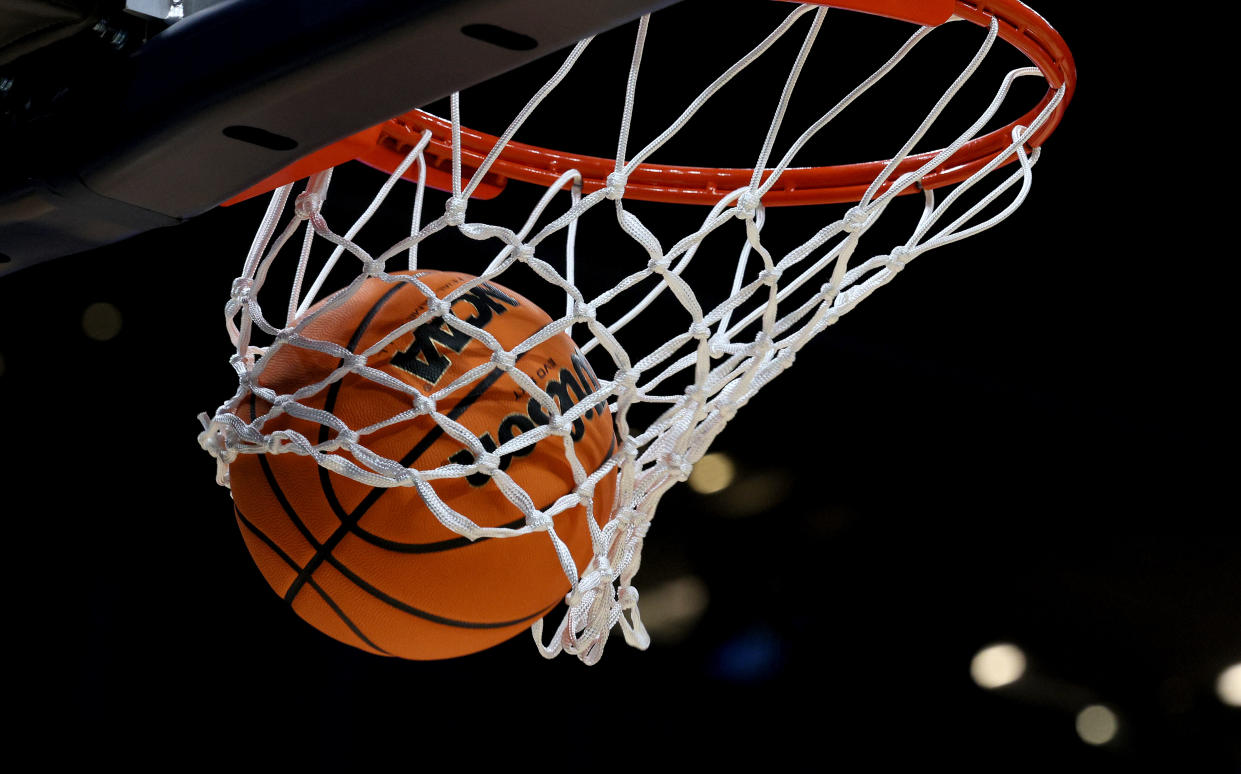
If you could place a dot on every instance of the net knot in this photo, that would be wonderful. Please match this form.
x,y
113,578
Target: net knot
x,y
762,344
538,521
770,276
525,252
439,307
615,188
583,313
633,521
242,362
308,204
488,464
272,444
627,597
628,518
373,267
584,492
747,203
242,290
604,568
627,379
856,220
504,360
896,260
424,404
680,467
659,264
454,210
699,331
558,426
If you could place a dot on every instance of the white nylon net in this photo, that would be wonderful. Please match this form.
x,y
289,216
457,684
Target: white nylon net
x,y
740,334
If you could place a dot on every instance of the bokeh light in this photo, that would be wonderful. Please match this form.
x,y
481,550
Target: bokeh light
x,y
998,665
1228,686
753,493
1097,724
101,321
713,473
670,610
752,656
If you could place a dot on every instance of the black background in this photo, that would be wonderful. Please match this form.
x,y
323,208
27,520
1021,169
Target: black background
x,y
1026,437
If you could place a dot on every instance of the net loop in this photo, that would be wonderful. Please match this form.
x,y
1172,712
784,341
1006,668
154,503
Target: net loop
x,y
308,204
634,631
214,439
616,184
856,220
748,202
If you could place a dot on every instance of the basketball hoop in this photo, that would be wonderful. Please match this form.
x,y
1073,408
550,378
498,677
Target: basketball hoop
x,y
668,401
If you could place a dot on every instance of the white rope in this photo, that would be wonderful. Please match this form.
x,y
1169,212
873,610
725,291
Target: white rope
x,y
669,400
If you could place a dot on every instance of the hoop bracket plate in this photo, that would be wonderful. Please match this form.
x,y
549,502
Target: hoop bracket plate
x,y
931,13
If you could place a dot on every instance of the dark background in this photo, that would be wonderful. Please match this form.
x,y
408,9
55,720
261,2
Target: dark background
x,y
1024,438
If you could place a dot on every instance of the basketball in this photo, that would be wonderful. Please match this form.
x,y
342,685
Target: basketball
x,y
372,566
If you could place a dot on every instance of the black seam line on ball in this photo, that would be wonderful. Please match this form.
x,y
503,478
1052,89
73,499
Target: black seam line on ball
x,y
266,540
439,619
329,405
289,561
350,520
333,391
427,441
289,510
428,548
344,618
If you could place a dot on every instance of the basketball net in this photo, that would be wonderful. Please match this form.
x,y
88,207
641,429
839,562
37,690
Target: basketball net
x,y
701,374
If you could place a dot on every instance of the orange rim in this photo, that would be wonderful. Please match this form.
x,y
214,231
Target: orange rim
x,y
386,145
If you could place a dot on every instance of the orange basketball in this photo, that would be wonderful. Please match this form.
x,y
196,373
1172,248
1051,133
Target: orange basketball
x,y
371,566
